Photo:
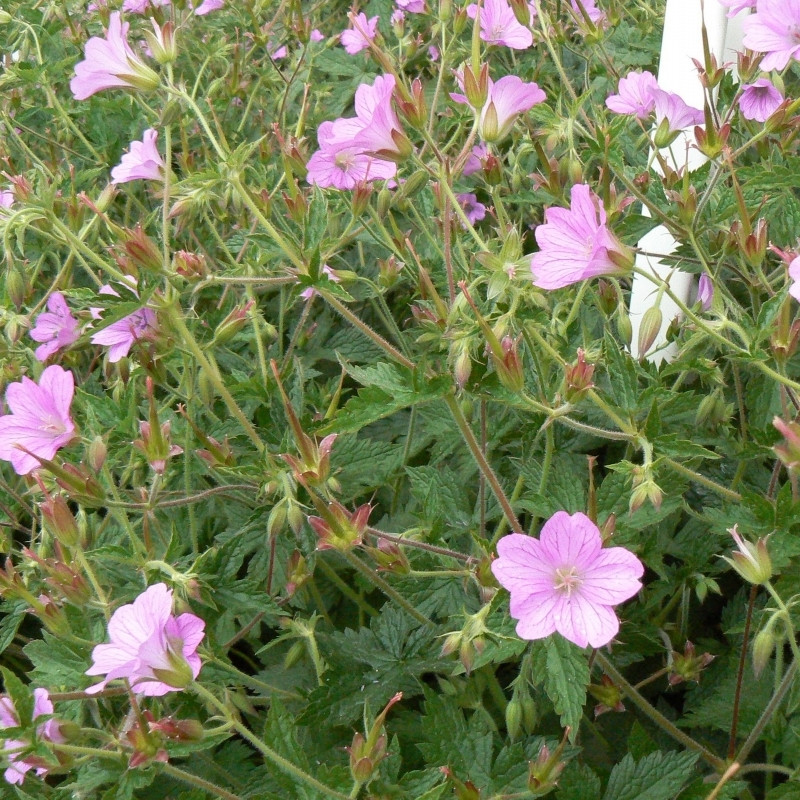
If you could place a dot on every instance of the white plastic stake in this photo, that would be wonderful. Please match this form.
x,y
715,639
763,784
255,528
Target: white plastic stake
x,y
682,41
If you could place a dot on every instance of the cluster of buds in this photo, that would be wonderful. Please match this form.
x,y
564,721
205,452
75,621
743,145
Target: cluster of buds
x,y
608,696
788,451
644,489
750,560
503,349
543,773
369,749
313,465
389,557
462,790
216,454
191,266
137,251
58,518
470,641
520,712
751,242
147,743
578,378
155,441
412,105
297,572
13,587
338,528
65,580
687,666
233,323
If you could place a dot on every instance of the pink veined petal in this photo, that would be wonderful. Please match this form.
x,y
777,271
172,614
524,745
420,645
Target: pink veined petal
x,y
539,619
612,577
584,623
60,383
570,540
109,657
191,629
133,624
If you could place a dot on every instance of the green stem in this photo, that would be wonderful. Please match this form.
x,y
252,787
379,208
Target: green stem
x,y
365,329
390,592
483,464
254,683
200,783
213,375
332,576
284,764
765,717
701,479
656,716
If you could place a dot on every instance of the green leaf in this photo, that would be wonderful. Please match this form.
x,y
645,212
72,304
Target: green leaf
x,y
578,782
56,664
659,776
622,375
566,676
21,696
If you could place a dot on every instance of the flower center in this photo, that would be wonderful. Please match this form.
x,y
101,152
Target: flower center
x,y
567,580
345,160
51,424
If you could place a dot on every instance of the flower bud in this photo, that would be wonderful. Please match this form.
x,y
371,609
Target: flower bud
x,y
162,42
59,520
624,327
233,323
96,453
751,561
543,773
578,378
688,666
16,288
763,647
608,694
649,329
476,88
514,717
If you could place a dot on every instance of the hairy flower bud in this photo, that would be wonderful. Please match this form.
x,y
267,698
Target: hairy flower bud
x,y
751,561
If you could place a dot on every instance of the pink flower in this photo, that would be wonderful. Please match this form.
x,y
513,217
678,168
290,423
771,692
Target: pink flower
x,y
56,327
39,420
508,98
398,16
141,6
307,294
500,26
207,6
705,292
474,210
340,164
142,163
591,9
351,148
49,731
6,198
736,6
380,131
412,6
759,100
360,33
773,30
565,580
316,35
794,274
475,161
111,63
672,108
120,335
636,95
277,53
154,650
576,245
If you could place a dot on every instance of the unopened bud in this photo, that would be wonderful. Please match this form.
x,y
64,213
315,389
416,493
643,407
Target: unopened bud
x,y
763,648
624,327
751,561
649,329
96,453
